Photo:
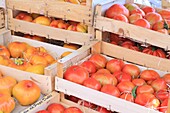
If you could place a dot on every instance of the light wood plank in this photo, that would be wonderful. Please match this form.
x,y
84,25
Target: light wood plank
x,y
70,11
50,32
136,57
134,32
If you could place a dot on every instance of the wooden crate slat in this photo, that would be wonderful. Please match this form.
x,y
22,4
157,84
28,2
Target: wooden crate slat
x,y
57,9
36,6
70,11
2,19
102,99
50,32
136,57
134,32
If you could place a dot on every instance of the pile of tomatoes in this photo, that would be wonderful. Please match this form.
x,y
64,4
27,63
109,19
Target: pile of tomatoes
x,y
125,81
126,43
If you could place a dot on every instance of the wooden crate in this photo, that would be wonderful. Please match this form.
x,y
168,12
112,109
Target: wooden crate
x,y
102,99
2,20
53,97
140,34
46,81
47,31
165,4
54,8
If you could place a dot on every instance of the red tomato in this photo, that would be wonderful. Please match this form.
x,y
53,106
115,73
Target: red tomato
x,y
164,106
111,90
132,70
125,86
114,65
145,89
138,82
106,78
162,94
72,110
121,76
148,75
92,83
117,9
55,108
43,111
99,60
127,96
102,110
89,66
76,74
155,52
166,77
73,98
87,104
159,84
103,71
147,100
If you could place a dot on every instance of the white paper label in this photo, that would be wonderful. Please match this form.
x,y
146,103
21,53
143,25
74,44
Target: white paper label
x,y
2,3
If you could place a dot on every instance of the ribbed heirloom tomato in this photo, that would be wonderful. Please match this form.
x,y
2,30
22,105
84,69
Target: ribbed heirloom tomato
x,y
155,52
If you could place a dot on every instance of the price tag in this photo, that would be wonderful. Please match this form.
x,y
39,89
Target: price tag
x,y
2,3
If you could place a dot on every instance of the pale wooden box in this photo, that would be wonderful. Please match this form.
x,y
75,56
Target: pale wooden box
x,y
102,99
46,81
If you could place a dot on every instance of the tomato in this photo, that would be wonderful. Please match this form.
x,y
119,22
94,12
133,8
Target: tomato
x,y
148,100
148,75
5,60
19,64
164,106
125,86
73,98
145,89
111,90
72,110
132,70
127,96
41,58
102,110
138,82
76,74
55,108
17,48
117,9
4,51
159,84
99,60
89,66
114,65
162,94
92,83
155,52
120,17
166,77
105,78
115,38
103,71
87,104
121,76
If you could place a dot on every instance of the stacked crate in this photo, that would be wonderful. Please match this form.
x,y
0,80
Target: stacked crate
x,y
166,4
53,8
144,61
